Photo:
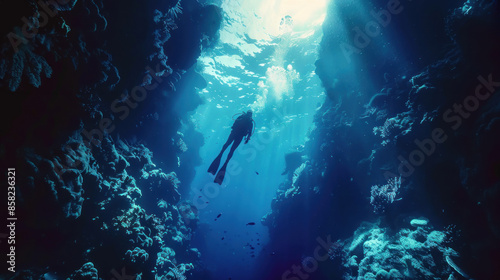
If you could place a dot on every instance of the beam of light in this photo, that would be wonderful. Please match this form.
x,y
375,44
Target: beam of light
x,y
263,20
306,15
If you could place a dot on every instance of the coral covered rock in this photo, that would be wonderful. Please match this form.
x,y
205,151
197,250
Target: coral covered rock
x,y
374,253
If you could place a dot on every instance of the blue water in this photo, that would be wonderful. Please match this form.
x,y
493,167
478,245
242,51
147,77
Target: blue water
x,y
268,67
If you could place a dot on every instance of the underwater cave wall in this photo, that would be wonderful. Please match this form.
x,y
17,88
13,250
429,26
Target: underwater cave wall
x,y
386,119
91,89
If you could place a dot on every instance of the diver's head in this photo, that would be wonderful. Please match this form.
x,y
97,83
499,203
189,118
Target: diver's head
x,y
249,113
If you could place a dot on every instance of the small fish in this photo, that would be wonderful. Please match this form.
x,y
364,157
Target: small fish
x,y
256,172
218,216
251,224
222,238
253,256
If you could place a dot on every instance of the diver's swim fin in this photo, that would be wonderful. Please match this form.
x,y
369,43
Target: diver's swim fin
x,y
214,166
219,178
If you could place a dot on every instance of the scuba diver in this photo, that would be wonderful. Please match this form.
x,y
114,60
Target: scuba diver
x,y
242,127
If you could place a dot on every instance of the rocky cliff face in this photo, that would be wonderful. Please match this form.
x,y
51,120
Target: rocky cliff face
x,y
80,80
387,135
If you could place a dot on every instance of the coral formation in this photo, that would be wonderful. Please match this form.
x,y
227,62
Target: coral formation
x,y
26,64
86,272
386,194
100,173
375,253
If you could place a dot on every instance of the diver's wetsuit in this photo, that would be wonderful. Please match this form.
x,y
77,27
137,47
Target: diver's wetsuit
x,y
242,127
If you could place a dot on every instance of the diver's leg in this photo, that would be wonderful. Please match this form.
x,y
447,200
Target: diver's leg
x,y
215,164
235,145
228,142
222,172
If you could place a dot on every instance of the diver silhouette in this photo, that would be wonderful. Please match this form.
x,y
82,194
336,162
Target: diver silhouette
x,y
242,126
